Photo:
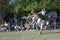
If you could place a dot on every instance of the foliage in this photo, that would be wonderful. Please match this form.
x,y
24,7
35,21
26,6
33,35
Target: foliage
x,y
37,5
6,8
22,7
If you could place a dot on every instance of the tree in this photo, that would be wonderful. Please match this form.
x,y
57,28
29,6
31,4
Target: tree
x,y
3,5
23,7
6,8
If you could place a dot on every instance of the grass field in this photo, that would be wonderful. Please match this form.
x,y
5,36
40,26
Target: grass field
x,y
31,35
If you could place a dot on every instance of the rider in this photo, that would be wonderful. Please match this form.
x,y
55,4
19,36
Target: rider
x,y
43,12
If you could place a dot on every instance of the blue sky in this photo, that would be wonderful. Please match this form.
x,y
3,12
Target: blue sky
x,y
11,1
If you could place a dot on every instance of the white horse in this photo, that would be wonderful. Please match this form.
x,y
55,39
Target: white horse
x,y
34,21
42,23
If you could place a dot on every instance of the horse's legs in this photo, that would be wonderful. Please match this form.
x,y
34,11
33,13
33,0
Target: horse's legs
x,y
46,28
26,29
41,28
54,25
33,25
36,26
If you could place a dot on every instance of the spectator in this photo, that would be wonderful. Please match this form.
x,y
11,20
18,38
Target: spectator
x,y
26,25
17,27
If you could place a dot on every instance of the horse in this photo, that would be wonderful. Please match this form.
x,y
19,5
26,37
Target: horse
x,y
52,16
27,23
34,21
42,22
45,21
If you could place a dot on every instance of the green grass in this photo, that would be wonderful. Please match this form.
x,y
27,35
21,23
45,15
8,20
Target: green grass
x,y
30,35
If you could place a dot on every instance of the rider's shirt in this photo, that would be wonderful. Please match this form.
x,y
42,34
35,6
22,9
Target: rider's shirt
x,y
43,12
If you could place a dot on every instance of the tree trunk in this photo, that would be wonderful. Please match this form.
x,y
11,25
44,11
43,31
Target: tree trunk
x,y
0,14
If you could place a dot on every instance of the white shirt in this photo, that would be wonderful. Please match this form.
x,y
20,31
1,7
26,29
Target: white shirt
x,y
43,12
6,24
